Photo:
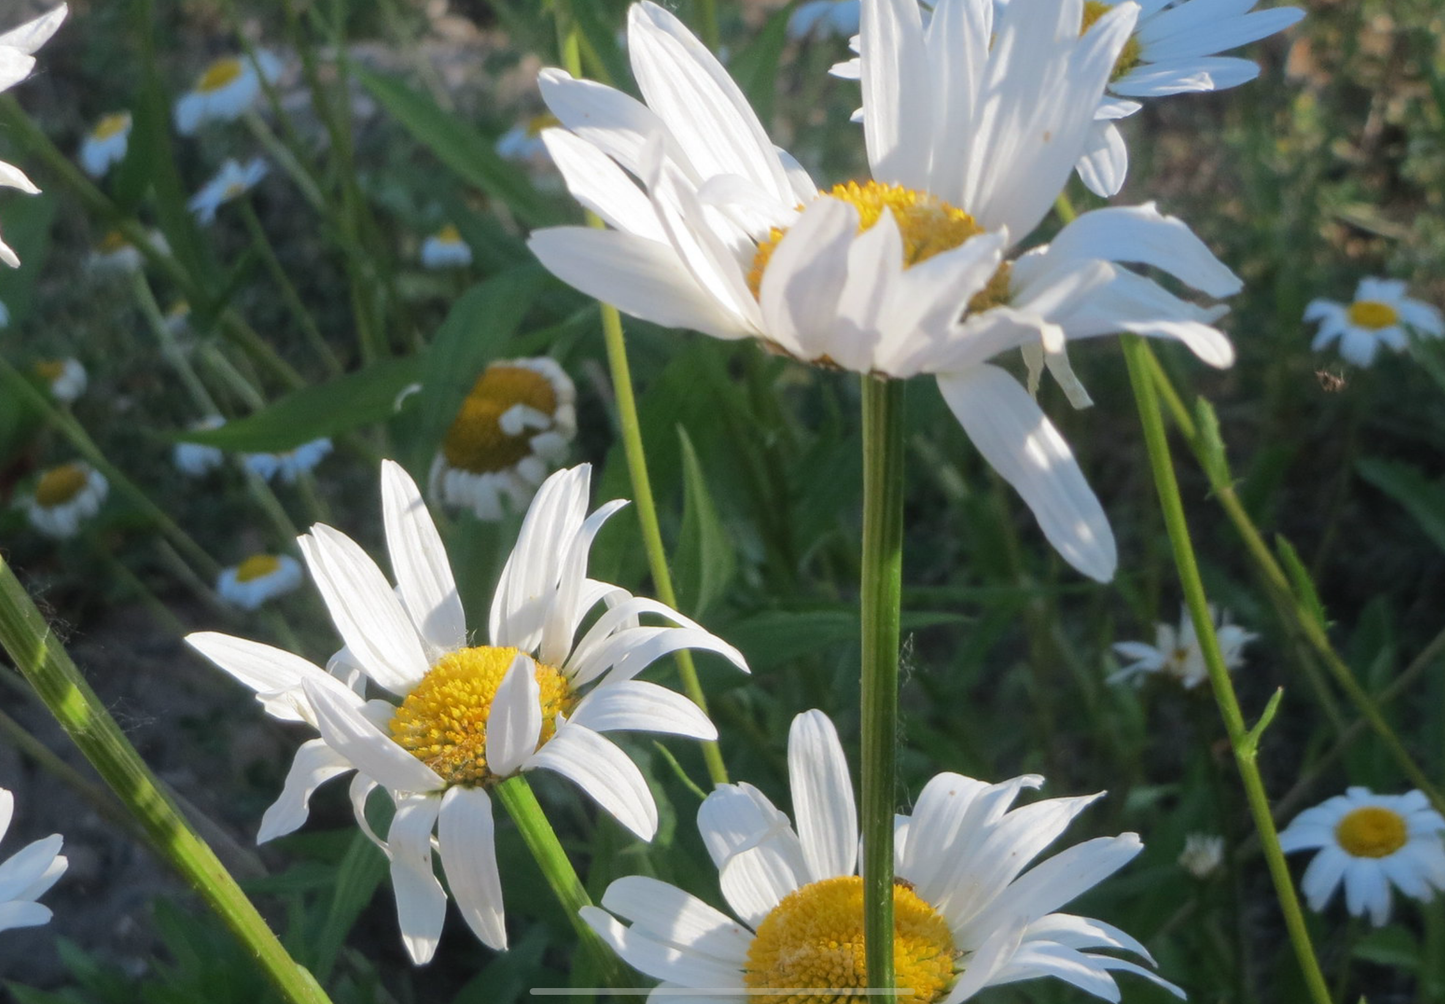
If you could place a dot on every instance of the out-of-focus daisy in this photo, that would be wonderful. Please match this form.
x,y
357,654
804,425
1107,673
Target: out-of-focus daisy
x,y
289,464
199,459
178,317
105,144
114,255
1176,653
966,913
523,142
1381,314
511,430
224,90
27,874
1202,855
1369,842
259,578
824,19
17,59
232,181
64,378
64,497
905,274
446,249
463,718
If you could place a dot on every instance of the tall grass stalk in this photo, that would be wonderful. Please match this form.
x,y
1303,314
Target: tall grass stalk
x,y
267,252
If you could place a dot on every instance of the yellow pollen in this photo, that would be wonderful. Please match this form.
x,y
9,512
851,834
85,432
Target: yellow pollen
x,y
1373,314
813,939
476,441
220,73
1129,55
60,484
1372,832
112,242
537,123
449,235
443,721
50,370
257,566
110,125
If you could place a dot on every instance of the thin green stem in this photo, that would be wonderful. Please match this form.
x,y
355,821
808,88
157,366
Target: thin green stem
x,y
881,592
1244,742
174,354
707,24
262,243
282,154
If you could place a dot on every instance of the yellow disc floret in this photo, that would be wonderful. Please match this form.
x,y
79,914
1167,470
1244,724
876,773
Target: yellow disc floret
x,y
257,566
443,721
1372,832
60,484
1129,55
220,73
1373,314
813,940
50,370
109,125
476,441
449,234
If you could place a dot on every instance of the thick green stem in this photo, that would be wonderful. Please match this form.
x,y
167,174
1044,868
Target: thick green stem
x,y
1244,742
44,663
881,594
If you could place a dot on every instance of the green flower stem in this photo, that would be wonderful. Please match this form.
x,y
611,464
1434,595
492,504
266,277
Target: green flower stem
x,y
707,23
1243,740
44,663
151,311
303,317
881,594
282,155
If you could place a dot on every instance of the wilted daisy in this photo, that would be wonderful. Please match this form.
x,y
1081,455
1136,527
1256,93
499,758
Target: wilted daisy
x,y
462,718
64,497
27,874
232,181
199,459
1369,842
259,578
64,378
905,274
17,59
224,90
1202,855
288,465
105,144
966,913
824,19
1381,314
511,430
445,249
1176,653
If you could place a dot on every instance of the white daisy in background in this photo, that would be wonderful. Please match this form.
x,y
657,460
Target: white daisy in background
x,y
446,249
232,181
1381,314
65,379
1202,855
1177,655
259,578
199,459
1369,842
114,255
224,91
899,276
17,59
966,913
824,19
64,497
27,874
4,315
105,145
523,142
462,718
289,465
178,317
511,431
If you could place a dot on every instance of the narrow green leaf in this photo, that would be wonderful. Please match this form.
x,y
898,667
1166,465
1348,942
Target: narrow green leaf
x,y
705,560
1215,461
27,230
1299,577
1422,498
360,872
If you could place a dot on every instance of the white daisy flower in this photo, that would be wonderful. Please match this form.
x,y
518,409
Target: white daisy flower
x,y
289,464
198,459
965,917
446,249
224,90
17,59
178,317
523,142
27,874
462,718
64,378
512,429
232,181
64,497
824,19
1202,855
114,255
259,578
1369,842
105,145
1177,654
899,276
1381,314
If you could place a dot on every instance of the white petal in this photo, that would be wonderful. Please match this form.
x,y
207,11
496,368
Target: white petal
x,y
268,670
515,722
315,763
896,98
421,903
677,918
28,864
632,705
22,914
658,960
373,752
1104,164
12,177
1142,235
604,772
528,585
467,844
823,806
805,277
31,35
567,610
419,561
937,815
596,181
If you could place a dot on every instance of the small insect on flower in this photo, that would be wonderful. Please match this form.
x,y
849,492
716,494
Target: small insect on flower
x,y
232,181
17,59
64,497
1177,655
446,249
289,464
64,378
225,90
199,459
1202,855
259,578
105,145
1369,842
1381,314
27,874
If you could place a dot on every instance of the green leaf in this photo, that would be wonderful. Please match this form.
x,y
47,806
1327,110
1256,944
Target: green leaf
x,y
27,230
1407,485
1390,946
361,871
755,68
1299,577
705,558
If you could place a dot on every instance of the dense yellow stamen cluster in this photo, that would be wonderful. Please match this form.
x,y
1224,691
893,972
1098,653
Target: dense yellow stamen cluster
x,y
1129,55
1373,314
443,721
219,74
60,484
50,370
1372,832
257,566
476,441
110,125
813,939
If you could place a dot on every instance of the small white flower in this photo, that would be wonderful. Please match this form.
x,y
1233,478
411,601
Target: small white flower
x,y
462,718
64,497
1202,855
178,317
105,144
1177,654
17,59
259,578
115,255
1369,842
27,874
446,249
232,181
64,378
289,464
1381,314
523,142
224,90
511,431
199,459
824,19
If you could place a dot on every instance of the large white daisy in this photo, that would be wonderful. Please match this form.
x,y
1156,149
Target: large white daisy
x,y
966,914
459,718
27,874
17,59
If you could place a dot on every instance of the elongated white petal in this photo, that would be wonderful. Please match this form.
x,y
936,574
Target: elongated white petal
x,y
805,277
986,961
1058,880
23,868
23,914
12,177
467,843
933,829
31,35
1104,164
515,722
567,611
823,806
655,958
604,772
373,752
735,816
596,181
7,810
671,916
421,903
1143,235
419,561
528,585
896,99
315,764
632,705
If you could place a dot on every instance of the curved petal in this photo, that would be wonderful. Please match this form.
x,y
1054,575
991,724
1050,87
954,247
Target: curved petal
x,y
315,764
604,772
896,93
373,752
271,672
596,181
419,562
1104,164
657,959
673,917
514,723
466,842
23,914
26,866
823,807
528,584
1142,235
632,705
421,903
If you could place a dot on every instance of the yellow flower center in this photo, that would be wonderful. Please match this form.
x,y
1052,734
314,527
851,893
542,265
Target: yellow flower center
x,y
50,370
476,441
449,235
1372,832
443,721
1373,314
220,73
234,190
60,484
537,123
813,940
110,125
113,242
1129,55
257,566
